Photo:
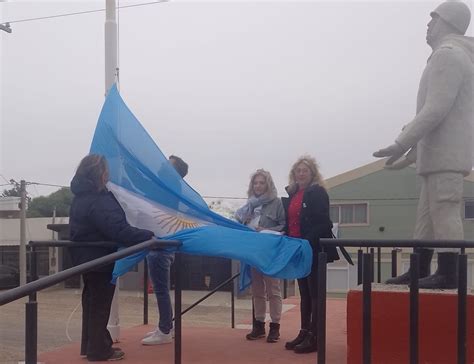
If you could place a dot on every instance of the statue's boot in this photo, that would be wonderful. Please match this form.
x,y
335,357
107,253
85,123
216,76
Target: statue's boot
x,y
425,267
446,276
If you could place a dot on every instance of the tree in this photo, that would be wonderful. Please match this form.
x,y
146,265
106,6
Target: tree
x,y
15,191
43,206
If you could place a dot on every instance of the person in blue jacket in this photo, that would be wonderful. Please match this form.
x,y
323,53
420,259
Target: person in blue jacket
x,y
96,215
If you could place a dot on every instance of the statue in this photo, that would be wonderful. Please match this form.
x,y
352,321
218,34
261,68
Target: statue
x,y
440,140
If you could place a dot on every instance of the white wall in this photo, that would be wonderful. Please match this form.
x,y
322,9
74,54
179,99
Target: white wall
x,y
35,229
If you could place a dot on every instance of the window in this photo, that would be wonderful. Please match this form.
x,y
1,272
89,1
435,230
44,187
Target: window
x,y
350,214
469,209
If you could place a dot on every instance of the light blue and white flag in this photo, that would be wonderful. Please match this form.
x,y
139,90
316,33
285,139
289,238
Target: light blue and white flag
x,y
155,197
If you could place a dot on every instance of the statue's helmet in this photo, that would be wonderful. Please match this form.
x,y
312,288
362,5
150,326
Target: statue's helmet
x,y
455,13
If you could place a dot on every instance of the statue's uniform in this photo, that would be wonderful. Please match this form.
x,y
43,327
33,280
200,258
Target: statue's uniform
x,y
442,134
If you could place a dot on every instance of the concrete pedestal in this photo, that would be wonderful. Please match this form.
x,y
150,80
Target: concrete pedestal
x,y
390,326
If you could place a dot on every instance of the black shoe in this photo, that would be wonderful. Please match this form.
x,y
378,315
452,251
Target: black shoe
x,y
290,345
258,331
114,349
114,356
274,333
425,267
309,345
446,276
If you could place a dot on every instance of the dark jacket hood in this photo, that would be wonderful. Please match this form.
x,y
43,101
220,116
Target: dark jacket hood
x,y
81,184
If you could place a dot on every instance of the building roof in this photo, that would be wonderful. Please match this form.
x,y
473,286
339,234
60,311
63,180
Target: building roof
x,y
365,170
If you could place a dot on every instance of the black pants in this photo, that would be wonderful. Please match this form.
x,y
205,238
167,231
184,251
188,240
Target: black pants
x,y
309,299
97,297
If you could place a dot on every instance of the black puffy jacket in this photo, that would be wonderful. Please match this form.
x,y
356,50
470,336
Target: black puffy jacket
x,y
97,216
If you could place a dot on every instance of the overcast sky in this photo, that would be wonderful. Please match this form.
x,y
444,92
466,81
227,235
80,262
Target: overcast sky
x,y
228,86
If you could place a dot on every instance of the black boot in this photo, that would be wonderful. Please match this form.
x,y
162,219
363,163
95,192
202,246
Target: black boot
x,y
258,331
274,333
425,267
290,345
309,344
446,276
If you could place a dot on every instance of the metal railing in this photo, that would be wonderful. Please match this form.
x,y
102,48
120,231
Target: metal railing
x,y
365,277
209,294
30,289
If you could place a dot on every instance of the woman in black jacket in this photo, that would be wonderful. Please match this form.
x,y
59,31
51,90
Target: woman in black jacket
x,y
97,216
307,217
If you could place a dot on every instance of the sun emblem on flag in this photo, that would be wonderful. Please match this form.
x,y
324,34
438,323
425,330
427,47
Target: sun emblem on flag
x,y
171,224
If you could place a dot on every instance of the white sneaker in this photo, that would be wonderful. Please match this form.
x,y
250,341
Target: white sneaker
x,y
157,338
153,332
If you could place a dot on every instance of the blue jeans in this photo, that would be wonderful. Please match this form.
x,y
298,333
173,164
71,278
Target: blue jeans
x,y
159,263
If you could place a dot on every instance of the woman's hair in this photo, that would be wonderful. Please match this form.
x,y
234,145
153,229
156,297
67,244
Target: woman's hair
x,y
92,168
270,191
180,165
311,163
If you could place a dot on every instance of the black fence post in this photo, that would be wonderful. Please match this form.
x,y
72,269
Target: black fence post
x,y
232,304
379,265
145,292
31,314
33,269
177,309
367,309
462,310
394,262
285,288
359,266
321,319
372,264
414,276
31,332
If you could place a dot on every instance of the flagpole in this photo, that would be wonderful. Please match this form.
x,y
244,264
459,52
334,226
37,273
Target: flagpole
x,y
111,71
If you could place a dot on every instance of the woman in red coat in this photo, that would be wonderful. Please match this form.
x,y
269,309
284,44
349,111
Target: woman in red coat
x,y
307,217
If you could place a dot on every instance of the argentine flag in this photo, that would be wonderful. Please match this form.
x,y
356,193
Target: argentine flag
x,y
155,197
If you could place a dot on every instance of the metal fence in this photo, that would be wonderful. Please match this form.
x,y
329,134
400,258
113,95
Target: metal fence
x,y
365,277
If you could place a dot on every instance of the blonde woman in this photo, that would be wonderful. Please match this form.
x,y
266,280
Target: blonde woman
x,y
307,217
263,211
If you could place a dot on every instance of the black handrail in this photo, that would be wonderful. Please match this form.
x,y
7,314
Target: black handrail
x,y
211,293
73,244
366,276
401,243
45,282
31,339
30,289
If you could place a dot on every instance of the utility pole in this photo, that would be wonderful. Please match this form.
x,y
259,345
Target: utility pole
x,y
22,251
111,73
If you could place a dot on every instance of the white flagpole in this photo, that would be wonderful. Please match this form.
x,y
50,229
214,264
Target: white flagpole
x,y
110,44
110,78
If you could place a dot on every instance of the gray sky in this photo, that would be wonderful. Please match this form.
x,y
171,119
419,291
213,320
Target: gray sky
x,y
228,86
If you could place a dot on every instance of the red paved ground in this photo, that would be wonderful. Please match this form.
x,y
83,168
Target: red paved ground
x,y
224,345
